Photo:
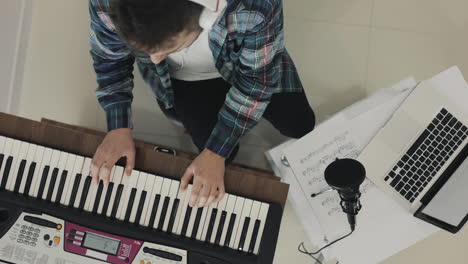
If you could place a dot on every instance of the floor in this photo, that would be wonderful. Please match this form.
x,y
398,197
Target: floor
x,y
344,50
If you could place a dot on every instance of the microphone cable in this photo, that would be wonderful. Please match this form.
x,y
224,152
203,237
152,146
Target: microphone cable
x,y
301,248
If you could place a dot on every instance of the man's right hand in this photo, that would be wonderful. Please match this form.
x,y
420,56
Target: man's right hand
x,y
117,144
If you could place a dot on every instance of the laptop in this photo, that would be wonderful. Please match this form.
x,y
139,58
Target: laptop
x,y
419,158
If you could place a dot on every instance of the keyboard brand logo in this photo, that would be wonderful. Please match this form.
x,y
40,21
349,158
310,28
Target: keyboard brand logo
x,y
125,250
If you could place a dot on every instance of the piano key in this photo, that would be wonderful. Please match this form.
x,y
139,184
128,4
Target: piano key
x,y
262,216
97,199
27,170
2,143
129,182
254,212
150,214
53,181
2,158
141,205
150,182
238,209
61,166
229,210
254,238
202,222
221,227
130,203
173,224
18,153
75,172
2,153
63,179
19,177
175,186
74,191
116,202
30,176
117,180
84,175
92,194
243,233
185,224
183,210
8,159
40,172
172,217
221,206
106,194
206,222
69,168
84,193
243,218
209,228
52,167
196,223
166,186
164,209
42,183
139,190
154,210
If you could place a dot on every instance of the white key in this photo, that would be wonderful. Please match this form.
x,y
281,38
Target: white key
x,y
130,184
253,217
238,211
62,166
172,195
117,179
148,189
245,213
2,144
38,157
262,216
72,173
181,196
20,150
140,187
29,160
127,183
221,206
158,182
7,149
104,192
45,161
53,164
206,223
231,202
92,193
166,186
185,203
84,175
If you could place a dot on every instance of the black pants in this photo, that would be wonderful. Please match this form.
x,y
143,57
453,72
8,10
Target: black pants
x,y
197,105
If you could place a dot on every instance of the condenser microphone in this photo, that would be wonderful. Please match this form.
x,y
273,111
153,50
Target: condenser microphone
x,y
345,176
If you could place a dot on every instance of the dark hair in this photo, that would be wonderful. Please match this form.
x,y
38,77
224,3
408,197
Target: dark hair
x,y
148,25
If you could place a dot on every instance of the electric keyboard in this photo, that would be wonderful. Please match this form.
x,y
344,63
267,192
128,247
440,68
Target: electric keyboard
x,y
142,218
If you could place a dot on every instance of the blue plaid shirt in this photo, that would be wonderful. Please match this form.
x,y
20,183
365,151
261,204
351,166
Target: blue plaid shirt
x,y
248,49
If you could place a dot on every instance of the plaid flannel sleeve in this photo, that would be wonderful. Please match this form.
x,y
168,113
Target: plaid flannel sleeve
x,y
251,92
113,64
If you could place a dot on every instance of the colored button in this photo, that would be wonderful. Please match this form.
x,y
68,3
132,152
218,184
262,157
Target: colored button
x,y
148,262
142,262
56,240
59,226
50,243
46,237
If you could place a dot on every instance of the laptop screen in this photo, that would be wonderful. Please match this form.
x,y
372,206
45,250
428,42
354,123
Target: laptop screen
x,y
450,204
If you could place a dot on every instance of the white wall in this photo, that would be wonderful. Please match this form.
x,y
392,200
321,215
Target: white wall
x,y
14,27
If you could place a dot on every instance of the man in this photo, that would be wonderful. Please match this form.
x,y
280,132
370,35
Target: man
x,y
217,68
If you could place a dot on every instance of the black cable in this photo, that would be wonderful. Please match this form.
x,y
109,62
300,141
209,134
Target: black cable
x,y
311,254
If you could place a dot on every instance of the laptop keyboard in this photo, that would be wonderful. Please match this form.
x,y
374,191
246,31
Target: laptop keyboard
x,y
427,155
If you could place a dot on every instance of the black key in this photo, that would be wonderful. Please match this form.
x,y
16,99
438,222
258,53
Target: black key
x,y
19,177
196,224
1,160
436,152
63,178
424,147
402,172
6,173
211,225
409,195
229,230
434,144
45,173
460,134
395,181
173,215
446,119
253,241
431,137
386,178
399,186
424,166
404,158
244,233
414,189
464,129
431,127
418,142
186,221
74,192
105,206
403,192
53,180
222,220
443,111
457,125
407,167
392,174
84,194
438,139
131,200
411,162
400,164
98,197
118,196
163,213
410,174
411,182
140,207
154,210
31,171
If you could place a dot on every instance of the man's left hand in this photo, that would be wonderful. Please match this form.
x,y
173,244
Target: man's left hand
x,y
208,185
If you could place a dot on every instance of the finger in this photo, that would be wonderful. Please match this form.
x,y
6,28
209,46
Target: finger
x,y
106,172
204,195
184,181
96,165
221,193
130,163
197,186
212,195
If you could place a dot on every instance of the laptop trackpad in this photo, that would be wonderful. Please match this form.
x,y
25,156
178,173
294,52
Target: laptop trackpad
x,y
400,131
449,204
